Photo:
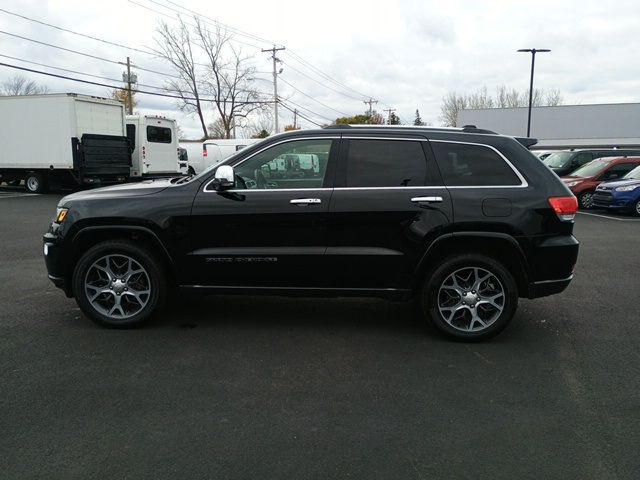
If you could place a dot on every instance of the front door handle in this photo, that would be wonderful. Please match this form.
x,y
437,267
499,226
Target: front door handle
x,y
305,201
426,199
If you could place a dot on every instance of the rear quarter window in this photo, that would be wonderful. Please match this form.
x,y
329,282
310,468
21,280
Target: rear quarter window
x,y
158,134
466,165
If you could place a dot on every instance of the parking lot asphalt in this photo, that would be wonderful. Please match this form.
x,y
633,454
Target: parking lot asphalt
x,y
268,387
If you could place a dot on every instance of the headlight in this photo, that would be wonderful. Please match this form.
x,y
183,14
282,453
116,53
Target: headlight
x,y
61,214
571,184
628,188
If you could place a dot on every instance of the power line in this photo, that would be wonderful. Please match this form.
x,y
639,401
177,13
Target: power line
x,y
310,111
144,92
314,99
293,55
300,115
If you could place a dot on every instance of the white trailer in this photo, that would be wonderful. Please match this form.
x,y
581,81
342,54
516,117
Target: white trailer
x,y
62,139
154,141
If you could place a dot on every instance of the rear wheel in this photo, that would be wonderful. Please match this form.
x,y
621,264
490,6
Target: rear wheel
x,y
585,199
35,182
470,297
119,285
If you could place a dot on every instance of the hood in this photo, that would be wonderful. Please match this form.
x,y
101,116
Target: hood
x,y
146,187
618,183
574,179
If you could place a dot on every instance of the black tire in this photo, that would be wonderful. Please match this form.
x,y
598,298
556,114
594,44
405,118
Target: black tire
x,y
635,210
191,171
157,283
585,200
35,182
432,289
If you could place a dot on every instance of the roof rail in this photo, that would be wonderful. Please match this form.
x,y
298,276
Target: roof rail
x,y
474,129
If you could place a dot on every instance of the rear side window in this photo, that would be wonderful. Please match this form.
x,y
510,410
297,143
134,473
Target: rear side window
x,y
467,165
386,163
158,134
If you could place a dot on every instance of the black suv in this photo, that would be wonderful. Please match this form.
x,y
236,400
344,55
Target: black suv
x,y
464,220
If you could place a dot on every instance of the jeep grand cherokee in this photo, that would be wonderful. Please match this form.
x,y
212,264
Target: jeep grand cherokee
x,y
464,220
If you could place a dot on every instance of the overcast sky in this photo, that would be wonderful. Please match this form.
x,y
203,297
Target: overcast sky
x,y
406,54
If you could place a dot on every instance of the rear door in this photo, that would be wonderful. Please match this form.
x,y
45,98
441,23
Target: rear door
x,y
161,146
388,205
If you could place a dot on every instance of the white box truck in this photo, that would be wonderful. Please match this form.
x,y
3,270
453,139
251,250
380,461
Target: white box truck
x,y
62,139
154,141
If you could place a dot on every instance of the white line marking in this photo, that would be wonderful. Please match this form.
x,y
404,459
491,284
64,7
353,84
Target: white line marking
x,y
610,218
2,195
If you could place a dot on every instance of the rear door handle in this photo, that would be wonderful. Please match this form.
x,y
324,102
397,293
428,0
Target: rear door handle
x,y
426,199
305,201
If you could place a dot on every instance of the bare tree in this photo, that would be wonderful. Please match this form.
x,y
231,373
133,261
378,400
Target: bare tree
x,y
451,105
19,85
217,130
257,123
228,80
504,98
176,46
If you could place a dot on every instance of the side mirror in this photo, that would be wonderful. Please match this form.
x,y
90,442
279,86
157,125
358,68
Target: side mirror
x,y
224,178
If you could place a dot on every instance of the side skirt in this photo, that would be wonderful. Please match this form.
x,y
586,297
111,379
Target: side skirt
x,y
389,293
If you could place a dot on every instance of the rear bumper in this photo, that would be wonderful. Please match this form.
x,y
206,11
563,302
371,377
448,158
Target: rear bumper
x,y
552,261
545,288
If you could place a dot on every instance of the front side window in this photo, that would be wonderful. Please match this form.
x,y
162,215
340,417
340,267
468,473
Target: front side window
x,y
158,134
131,135
467,165
296,164
386,163
619,170
583,158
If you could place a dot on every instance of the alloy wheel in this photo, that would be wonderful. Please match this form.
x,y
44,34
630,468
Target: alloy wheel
x,y
471,299
586,200
117,286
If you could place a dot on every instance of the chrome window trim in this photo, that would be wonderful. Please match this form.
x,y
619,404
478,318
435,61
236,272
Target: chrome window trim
x,y
523,181
287,140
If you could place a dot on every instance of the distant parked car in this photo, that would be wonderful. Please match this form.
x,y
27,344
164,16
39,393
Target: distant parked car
x,y
583,181
620,194
563,163
542,154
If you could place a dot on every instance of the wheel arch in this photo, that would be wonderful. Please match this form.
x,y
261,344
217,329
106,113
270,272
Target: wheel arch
x,y
89,236
501,246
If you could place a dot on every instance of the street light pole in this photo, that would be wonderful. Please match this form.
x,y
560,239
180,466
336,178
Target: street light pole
x,y
533,65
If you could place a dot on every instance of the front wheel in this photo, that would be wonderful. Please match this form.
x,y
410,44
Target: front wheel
x,y
118,285
585,199
470,297
635,210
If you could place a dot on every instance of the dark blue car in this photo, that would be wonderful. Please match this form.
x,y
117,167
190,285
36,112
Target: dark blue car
x,y
621,194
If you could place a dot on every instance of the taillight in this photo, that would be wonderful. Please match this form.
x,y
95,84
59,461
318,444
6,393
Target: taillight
x,y
565,207
204,151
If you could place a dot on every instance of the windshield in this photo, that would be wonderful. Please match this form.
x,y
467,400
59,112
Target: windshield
x,y
633,174
557,159
591,168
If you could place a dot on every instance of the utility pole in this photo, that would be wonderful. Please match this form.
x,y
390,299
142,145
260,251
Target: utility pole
x,y
389,111
129,78
370,102
275,81
295,118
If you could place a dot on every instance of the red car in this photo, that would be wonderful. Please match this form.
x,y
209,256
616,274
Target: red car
x,y
584,180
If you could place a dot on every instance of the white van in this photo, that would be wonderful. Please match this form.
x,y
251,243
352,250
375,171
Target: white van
x,y
155,146
214,151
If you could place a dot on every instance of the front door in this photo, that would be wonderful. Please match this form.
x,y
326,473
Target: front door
x,y
270,230
387,207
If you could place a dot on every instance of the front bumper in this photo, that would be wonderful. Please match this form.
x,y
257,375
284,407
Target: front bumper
x,y
614,200
54,262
